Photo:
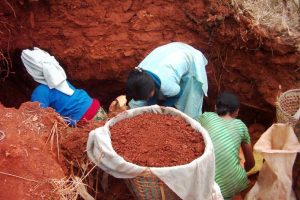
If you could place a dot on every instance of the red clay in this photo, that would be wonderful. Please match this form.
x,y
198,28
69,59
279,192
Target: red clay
x,y
103,40
24,153
155,140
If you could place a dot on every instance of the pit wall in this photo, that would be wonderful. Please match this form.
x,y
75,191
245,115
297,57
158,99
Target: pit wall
x,y
98,42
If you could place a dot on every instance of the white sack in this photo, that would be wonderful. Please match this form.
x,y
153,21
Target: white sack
x,y
278,146
193,181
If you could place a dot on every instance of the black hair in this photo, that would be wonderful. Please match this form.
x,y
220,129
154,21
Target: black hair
x,y
227,102
139,85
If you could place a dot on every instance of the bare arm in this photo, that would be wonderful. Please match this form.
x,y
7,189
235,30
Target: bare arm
x,y
248,154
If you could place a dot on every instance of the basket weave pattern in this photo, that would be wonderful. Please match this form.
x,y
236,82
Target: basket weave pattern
x,y
147,186
287,105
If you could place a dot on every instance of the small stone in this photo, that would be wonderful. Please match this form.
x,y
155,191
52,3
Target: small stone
x,y
123,141
7,153
34,118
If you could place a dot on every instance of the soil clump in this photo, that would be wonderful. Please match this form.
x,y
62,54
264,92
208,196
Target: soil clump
x,y
155,140
27,165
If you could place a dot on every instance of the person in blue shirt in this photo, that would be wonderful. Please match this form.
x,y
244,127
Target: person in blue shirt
x,y
171,75
78,106
56,92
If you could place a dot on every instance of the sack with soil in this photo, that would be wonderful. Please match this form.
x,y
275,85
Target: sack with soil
x,y
191,179
278,146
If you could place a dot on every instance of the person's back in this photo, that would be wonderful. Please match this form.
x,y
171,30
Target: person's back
x,y
56,92
228,135
179,72
70,107
173,61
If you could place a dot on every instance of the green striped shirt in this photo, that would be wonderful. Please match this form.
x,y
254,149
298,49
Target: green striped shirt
x,y
227,136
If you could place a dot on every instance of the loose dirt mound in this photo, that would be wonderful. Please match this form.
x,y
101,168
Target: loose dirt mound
x,y
156,140
74,140
29,169
27,166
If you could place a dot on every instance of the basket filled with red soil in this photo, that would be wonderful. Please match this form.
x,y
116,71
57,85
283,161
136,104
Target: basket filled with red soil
x,y
160,152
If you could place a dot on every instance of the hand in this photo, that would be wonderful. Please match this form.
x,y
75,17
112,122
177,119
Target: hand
x,y
117,106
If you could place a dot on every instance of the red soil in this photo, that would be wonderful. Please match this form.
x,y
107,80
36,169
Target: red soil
x,y
24,153
98,42
155,140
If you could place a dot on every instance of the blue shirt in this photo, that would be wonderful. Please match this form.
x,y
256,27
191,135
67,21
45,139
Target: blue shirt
x,y
72,108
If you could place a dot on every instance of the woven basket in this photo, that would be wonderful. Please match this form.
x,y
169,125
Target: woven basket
x,y
147,186
287,105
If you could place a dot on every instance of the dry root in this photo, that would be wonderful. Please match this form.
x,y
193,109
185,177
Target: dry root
x,y
73,187
280,15
5,66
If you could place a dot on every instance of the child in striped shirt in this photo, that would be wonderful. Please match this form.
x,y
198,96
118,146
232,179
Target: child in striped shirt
x,y
228,134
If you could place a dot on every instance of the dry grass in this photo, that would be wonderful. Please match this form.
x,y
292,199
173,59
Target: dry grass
x,y
5,60
73,187
19,177
282,16
5,65
54,136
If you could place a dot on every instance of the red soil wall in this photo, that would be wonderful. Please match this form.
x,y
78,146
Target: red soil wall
x,y
98,42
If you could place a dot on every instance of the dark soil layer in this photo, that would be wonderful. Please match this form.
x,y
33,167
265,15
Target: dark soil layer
x,y
155,140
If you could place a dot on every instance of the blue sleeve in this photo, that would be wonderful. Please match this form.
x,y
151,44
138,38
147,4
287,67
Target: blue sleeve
x,y
137,104
41,95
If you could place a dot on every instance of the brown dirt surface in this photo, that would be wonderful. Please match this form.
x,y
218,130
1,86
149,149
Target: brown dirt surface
x,y
155,140
24,153
74,141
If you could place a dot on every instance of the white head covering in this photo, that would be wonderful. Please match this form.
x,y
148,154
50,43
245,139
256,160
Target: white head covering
x,y
46,70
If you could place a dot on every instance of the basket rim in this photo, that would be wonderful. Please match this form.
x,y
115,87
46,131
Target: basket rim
x,y
286,92
282,96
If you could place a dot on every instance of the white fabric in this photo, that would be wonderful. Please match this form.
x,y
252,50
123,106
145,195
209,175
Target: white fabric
x,y
193,181
297,115
279,146
45,69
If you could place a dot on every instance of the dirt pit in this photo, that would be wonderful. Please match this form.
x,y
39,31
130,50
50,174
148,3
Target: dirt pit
x,y
155,140
98,43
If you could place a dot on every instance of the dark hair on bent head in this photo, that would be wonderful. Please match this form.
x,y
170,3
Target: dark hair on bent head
x,y
139,85
227,102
